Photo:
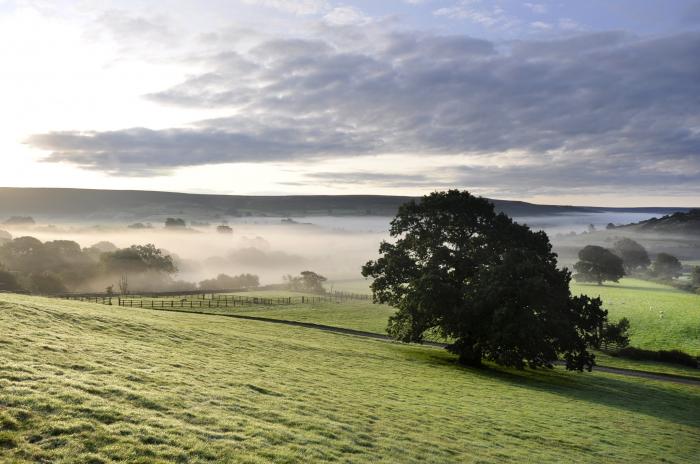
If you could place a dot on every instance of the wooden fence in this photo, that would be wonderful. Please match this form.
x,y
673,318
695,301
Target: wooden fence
x,y
210,300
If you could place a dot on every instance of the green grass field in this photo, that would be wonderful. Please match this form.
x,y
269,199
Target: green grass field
x,y
661,317
82,382
677,328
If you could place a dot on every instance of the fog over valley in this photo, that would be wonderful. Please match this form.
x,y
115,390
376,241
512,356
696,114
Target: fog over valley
x,y
273,247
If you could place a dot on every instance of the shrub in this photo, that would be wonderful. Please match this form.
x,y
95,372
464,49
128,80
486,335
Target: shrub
x,y
45,283
615,335
672,356
8,281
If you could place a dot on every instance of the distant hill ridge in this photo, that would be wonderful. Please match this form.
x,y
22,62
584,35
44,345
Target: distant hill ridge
x,y
679,222
87,204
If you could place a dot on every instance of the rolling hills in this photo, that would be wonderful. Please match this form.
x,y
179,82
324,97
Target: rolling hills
x,y
83,204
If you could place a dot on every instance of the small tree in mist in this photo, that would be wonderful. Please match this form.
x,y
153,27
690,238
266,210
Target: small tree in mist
x,y
307,281
124,284
175,223
598,264
312,282
695,276
634,256
667,266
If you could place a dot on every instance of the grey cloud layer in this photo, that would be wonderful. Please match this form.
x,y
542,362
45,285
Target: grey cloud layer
x,y
575,177
600,98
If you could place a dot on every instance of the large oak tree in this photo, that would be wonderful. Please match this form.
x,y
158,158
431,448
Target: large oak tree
x,y
483,281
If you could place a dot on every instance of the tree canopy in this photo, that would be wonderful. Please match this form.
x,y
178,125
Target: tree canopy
x,y
667,266
227,282
695,276
634,256
175,223
485,282
61,265
307,281
138,258
8,281
598,264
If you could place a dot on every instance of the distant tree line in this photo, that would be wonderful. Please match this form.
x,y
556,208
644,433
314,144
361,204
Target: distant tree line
x,y
227,282
627,257
58,266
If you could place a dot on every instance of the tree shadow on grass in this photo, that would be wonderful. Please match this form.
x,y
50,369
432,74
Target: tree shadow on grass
x,y
671,402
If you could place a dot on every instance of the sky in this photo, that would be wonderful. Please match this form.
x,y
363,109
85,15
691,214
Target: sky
x,y
565,102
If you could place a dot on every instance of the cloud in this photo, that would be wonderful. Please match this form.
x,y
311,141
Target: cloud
x,y
143,152
297,7
538,8
489,16
599,97
691,14
540,25
125,27
568,24
370,178
346,15
588,176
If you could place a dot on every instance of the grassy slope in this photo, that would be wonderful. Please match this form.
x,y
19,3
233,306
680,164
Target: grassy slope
x,y
84,383
358,315
679,328
661,317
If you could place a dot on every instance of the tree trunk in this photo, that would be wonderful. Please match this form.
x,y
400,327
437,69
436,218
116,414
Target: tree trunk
x,y
469,356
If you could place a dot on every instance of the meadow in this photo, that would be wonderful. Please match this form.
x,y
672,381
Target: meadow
x,y
83,382
661,317
677,327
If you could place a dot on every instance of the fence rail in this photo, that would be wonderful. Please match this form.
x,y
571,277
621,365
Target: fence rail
x,y
209,300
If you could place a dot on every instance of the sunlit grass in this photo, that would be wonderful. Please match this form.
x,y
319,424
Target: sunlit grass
x,y
661,317
83,382
677,328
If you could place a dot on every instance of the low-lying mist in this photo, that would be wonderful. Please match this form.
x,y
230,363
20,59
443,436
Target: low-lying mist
x,y
271,248
265,247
